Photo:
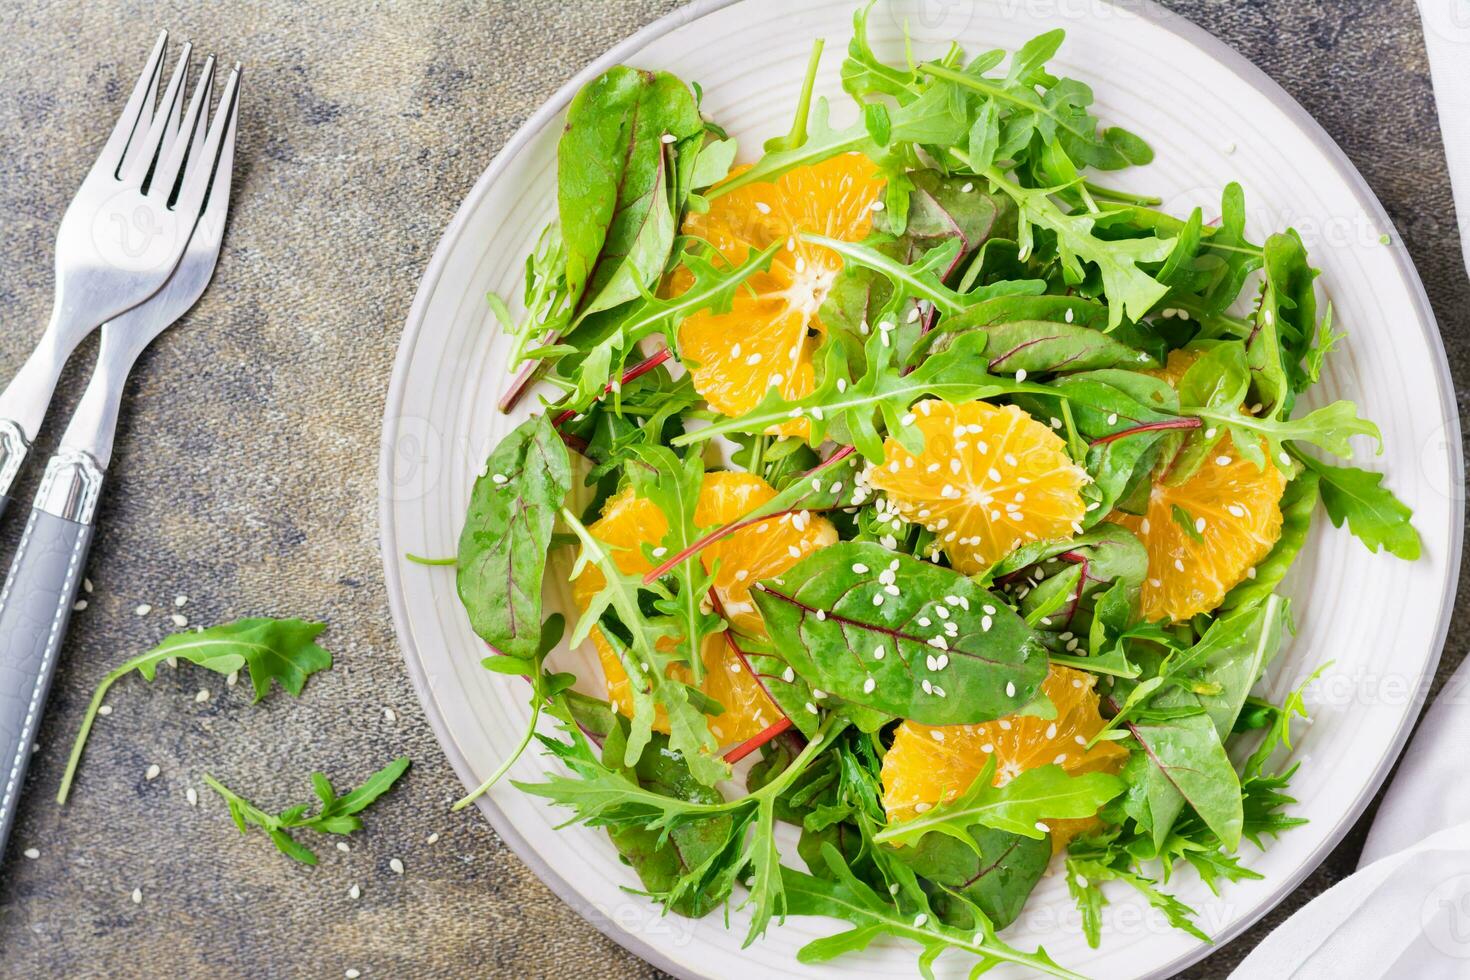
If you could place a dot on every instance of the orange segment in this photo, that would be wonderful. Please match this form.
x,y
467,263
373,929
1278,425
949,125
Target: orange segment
x,y
1233,512
989,479
767,338
739,561
927,765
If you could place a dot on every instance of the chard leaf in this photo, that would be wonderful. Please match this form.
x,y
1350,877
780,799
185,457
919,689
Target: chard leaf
x,y
995,871
1374,515
1020,806
507,531
836,619
614,186
661,861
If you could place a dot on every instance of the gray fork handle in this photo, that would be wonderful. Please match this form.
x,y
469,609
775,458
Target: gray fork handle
x,y
35,605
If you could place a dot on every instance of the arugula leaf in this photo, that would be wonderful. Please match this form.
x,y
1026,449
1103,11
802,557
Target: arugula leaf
x,y
1129,289
335,814
507,530
613,183
844,896
689,732
282,650
903,636
1019,806
1373,514
673,486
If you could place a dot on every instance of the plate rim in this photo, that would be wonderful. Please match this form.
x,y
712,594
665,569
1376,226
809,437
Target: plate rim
x,y
1148,10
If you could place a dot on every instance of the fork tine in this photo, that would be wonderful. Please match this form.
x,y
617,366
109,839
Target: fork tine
x,y
217,203
218,145
133,114
185,145
140,155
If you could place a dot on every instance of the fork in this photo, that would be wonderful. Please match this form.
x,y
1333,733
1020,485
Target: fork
x,y
119,239
39,592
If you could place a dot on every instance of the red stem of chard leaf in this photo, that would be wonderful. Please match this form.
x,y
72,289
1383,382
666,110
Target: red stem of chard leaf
x,y
521,383
724,532
756,741
636,371
1188,423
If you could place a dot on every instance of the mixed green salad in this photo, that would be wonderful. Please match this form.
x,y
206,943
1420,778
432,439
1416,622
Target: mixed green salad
x,y
1132,359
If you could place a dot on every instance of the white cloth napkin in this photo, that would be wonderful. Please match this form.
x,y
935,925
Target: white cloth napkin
x,y
1406,911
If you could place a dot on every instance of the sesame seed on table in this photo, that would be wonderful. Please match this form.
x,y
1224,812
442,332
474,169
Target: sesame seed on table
x,y
246,476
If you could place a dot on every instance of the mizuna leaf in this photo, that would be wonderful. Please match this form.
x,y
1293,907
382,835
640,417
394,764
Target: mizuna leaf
x,y
507,531
902,636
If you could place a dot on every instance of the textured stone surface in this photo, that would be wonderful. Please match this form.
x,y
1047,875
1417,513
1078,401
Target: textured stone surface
x,y
247,462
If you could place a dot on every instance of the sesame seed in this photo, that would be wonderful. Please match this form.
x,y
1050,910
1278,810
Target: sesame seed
x,y
967,187
989,610
1051,730
762,207
1199,525
354,892
868,685
180,601
390,715
432,838
151,773
1021,375
811,707
232,679
1069,314
788,675
876,205
499,479
1113,419
87,586
192,795
878,652
1042,827
137,896
993,473
396,866
928,687
668,138
985,623
821,615
1060,759
179,621
342,846
1056,423
31,853
79,605
1178,565
143,610
877,598
859,568
105,710
920,919
202,696
1250,572
987,748
1010,689
1222,460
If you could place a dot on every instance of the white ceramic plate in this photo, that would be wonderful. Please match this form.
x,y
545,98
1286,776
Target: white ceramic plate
x,y
1211,118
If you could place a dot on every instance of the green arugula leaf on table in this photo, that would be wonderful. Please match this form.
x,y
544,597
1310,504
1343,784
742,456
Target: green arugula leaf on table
x,y
906,637
507,531
1020,806
334,815
280,650
614,183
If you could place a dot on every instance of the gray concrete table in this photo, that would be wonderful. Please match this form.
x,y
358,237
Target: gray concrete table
x,y
247,463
